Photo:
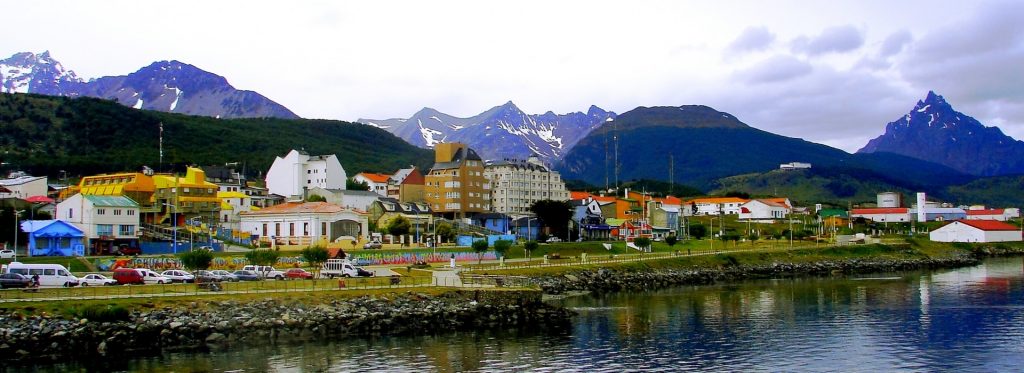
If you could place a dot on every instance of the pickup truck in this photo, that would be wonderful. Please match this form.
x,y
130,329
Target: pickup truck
x,y
265,271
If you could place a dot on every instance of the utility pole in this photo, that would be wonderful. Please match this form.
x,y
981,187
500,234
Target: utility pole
x,y
17,214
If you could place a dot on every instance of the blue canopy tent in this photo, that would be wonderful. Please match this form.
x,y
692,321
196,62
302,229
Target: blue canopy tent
x,y
54,238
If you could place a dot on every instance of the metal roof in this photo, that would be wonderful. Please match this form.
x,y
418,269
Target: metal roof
x,y
110,201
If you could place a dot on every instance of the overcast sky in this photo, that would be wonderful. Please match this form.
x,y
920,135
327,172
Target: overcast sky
x,y
827,71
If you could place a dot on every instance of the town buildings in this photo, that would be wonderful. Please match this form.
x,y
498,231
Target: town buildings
x,y
301,224
107,222
516,185
456,187
22,186
378,183
294,174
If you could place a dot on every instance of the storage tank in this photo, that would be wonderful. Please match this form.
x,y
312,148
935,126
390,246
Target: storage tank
x,y
890,199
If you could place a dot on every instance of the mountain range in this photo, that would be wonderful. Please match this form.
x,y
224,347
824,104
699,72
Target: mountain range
x,y
935,132
169,86
501,132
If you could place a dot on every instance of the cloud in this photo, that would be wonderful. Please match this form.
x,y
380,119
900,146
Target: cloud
x,y
751,39
894,43
775,69
836,39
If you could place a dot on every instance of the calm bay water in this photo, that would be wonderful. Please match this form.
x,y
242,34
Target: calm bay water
x,y
970,319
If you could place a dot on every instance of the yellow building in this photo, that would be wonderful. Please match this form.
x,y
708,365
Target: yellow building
x,y
190,196
456,187
137,186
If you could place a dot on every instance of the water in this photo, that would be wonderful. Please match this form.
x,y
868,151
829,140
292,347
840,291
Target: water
x,y
970,319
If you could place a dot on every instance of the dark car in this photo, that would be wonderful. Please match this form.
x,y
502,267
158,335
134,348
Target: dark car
x,y
363,273
244,275
14,280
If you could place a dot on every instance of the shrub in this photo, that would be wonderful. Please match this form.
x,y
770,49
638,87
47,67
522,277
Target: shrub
x,y
502,247
100,313
196,259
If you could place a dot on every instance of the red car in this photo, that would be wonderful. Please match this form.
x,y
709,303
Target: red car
x,y
298,273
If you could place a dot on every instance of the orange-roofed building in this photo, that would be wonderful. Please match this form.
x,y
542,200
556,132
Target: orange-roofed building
x,y
717,205
378,182
300,224
976,231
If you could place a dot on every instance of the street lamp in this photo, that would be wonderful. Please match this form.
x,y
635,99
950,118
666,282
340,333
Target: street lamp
x,y
174,222
17,213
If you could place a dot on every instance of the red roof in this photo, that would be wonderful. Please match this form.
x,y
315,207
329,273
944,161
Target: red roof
x,y
414,178
985,212
377,178
575,196
989,225
881,210
670,200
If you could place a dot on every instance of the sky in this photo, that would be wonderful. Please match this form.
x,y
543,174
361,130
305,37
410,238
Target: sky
x,y
832,72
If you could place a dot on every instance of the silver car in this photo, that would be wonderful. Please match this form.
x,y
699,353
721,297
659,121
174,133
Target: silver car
x,y
225,275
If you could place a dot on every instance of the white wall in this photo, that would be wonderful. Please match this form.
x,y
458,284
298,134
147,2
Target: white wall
x,y
959,232
291,173
24,187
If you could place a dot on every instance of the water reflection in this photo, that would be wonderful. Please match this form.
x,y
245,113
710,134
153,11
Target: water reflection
x,y
970,319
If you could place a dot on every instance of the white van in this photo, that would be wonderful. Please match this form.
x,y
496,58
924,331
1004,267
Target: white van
x,y
50,275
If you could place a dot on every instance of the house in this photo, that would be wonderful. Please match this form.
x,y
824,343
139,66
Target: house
x,y
295,173
53,238
456,187
629,230
833,217
232,204
107,222
588,220
182,198
421,221
135,185
987,214
406,185
378,183
882,214
301,224
764,209
716,205
351,198
976,231
20,185
794,166
227,179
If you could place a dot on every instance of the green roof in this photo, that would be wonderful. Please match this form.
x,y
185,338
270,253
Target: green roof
x,y
832,212
111,201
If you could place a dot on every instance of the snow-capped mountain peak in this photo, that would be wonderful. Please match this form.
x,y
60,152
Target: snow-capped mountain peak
x,y
503,131
27,72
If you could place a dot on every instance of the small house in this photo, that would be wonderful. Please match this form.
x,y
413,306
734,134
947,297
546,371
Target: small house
x,y
54,238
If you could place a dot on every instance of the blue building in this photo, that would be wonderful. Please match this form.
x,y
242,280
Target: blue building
x,y
54,238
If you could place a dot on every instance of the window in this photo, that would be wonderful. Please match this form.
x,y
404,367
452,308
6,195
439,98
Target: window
x,y
104,229
117,212
277,229
264,229
127,230
131,212
291,229
101,211
305,229
323,228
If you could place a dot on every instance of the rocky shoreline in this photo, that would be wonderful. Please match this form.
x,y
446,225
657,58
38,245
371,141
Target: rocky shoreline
x,y
612,280
218,325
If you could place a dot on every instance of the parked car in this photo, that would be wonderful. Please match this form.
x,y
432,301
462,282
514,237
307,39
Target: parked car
x,y
151,277
225,275
14,280
177,275
298,273
245,275
553,239
95,279
373,245
208,276
265,271
7,254
127,250
128,276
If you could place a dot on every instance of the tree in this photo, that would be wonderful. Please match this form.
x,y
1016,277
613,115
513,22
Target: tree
x,y
196,259
351,184
554,215
698,231
316,198
529,246
502,246
480,246
263,257
643,243
753,237
316,255
399,226
445,231
671,240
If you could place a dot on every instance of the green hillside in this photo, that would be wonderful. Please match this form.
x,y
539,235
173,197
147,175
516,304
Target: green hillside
x,y
1000,191
44,134
836,186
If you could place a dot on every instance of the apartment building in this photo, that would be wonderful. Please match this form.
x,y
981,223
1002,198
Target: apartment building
x,y
517,184
456,187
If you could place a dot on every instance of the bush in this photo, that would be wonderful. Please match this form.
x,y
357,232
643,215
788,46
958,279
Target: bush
x,y
643,243
196,259
479,246
502,247
100,313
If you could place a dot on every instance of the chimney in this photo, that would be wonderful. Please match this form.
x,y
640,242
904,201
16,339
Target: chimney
x,y
625,194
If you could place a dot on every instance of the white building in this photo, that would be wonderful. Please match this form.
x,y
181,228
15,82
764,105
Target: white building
x,y
107,221
761,209
715,206
976,231
21,186
515,185
306,223
378,182
298,172
232,205
882,215
794,166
